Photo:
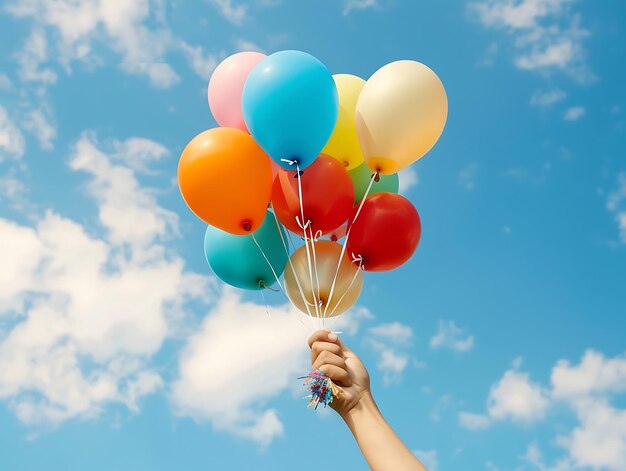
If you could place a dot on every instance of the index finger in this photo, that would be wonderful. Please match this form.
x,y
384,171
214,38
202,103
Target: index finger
x,y
322,336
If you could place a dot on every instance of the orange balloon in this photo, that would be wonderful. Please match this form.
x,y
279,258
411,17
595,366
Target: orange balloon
x,y
226,179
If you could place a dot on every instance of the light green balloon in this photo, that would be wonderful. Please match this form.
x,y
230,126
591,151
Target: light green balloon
x,y
361,178
237,260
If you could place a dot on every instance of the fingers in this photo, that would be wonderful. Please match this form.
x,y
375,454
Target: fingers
x,y
338,375
328,358
322,336
327,355
318,347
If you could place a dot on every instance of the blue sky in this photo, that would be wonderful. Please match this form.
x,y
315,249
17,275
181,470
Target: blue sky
x,y
499,346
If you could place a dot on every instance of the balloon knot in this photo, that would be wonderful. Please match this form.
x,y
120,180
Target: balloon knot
x,y
359,259
377,177
246,226
290,161
298,174
303,227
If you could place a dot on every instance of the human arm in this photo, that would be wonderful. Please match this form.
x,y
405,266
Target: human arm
x,y
380,445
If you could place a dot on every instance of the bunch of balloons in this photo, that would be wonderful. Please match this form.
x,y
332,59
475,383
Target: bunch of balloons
x,y
305,152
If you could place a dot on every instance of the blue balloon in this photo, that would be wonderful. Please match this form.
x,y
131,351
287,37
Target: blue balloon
x,y
290,107
237,260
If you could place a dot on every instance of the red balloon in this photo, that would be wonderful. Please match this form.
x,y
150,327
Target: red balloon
x,y
327,195
386,232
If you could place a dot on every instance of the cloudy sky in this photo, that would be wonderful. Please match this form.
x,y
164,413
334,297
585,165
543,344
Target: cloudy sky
x,y
499,346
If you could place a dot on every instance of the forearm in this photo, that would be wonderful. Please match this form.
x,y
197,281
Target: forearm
x,y
382,448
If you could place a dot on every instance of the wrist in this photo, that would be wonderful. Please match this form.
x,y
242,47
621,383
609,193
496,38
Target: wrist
x,y
364,407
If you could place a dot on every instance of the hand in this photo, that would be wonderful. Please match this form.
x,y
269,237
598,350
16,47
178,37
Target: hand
x,y
343,367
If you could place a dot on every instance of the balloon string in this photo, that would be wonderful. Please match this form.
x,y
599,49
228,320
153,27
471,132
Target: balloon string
x,y
304,226
345,242
268,262
293,246
267,309
317,279
293,270
356,273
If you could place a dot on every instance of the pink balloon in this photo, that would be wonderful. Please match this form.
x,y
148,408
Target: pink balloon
x,y
226,87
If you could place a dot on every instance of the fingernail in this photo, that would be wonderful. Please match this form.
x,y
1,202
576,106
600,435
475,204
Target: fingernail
x,y
332,337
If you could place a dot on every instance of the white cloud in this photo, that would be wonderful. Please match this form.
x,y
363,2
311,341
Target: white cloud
x,y
395,332
129,213
428,459
38,122
407,179
5,82
595,374
86,314
534,457
225,366
230,10
547,36
240,358
517,14
349,5
390,342
547,97
616,204
69,31
467,176
201,62
472,421
392,364
559,55
515,397
32,56
245,45
597,441
574,113
11,139
138,153
451,336
13,190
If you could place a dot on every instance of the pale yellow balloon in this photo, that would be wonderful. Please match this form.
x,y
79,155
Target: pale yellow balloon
x,y
343,144
400,115
327,255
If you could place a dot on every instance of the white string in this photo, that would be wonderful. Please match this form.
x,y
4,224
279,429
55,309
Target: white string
x,y
268,262
313,241
345,242
358,259
293,270
304,226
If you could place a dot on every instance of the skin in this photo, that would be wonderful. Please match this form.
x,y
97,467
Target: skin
x,y
381,447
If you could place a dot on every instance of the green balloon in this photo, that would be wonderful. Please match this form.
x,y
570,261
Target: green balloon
x,y
237,260
361,178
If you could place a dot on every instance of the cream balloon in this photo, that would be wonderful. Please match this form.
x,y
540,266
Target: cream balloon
x,y
327,256
400,115
343,143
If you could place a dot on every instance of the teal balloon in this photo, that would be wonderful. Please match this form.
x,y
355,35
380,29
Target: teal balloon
x,y
361,177
237,260
290,107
